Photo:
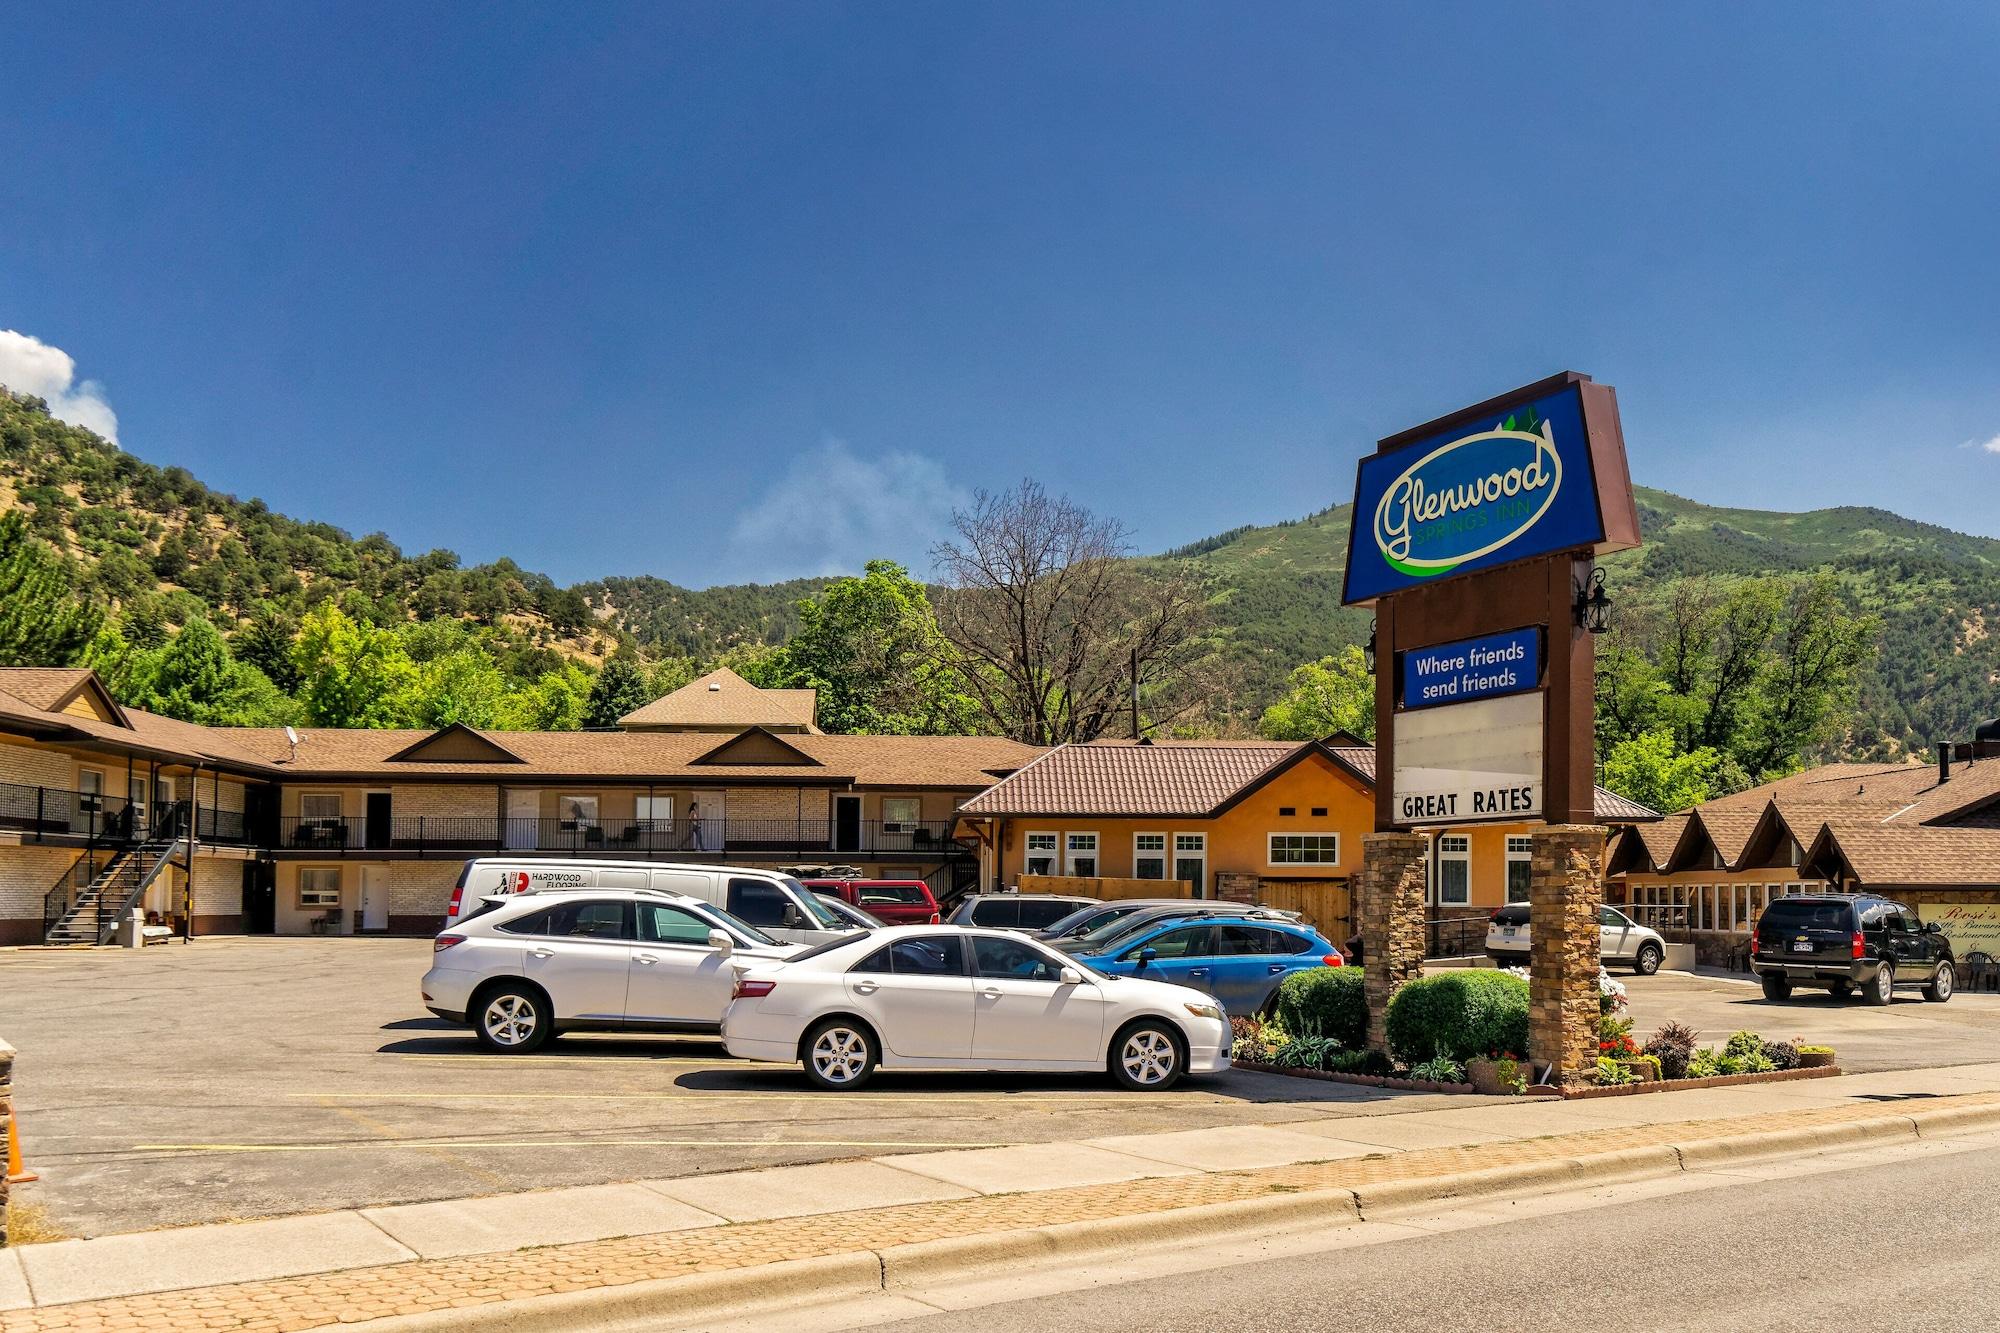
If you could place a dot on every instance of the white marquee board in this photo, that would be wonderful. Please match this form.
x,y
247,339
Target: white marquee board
x,y
1470,763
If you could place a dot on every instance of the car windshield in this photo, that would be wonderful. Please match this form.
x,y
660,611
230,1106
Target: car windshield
x,y
1109,935
736,925
849,912
818,910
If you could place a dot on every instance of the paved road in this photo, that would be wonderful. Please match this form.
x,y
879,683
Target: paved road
x,y
247,1078
1909,1245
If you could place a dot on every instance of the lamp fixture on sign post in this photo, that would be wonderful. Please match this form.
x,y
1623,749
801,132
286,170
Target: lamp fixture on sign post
x,y
1369,651
1593,608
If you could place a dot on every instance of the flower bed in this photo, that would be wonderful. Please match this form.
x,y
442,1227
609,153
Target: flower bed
x,y
1441,1022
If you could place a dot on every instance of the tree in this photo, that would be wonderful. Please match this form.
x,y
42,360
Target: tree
x,y
871,647
620,688
1650,770
196,679
554,702
42,620
352,675
1043,618
1333,694
1759,670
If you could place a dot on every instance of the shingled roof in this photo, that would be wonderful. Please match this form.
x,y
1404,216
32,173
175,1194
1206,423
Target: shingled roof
x,y
1181,779
1880,857
723,701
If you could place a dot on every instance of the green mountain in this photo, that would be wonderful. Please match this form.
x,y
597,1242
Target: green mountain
x,y
1937,593
158,545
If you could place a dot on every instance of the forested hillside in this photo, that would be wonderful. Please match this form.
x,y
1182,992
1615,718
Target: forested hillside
x,y
154,548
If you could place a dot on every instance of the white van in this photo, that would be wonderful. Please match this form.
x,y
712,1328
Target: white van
x,y
776,904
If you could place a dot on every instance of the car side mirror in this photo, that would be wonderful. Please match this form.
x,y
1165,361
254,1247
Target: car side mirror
x,y
719,941
1933,928
793,918
1069,976
1148,955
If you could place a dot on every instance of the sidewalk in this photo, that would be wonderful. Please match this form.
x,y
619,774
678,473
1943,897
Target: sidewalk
x,y
411,1260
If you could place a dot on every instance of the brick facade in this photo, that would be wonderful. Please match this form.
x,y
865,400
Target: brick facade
x,y
1565,893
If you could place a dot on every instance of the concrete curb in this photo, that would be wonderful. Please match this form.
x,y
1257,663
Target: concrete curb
x,y
905,1267
733,1294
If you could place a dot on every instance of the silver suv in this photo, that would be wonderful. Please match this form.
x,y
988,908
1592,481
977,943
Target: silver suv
x,y
1623,940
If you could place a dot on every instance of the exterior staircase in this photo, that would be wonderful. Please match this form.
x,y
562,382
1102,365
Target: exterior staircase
x,y
93,916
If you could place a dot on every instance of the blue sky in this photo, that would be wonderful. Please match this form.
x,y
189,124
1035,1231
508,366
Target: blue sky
x,y
725,292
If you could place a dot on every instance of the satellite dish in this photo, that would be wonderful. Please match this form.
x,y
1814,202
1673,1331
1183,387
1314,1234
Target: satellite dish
x,y
291,736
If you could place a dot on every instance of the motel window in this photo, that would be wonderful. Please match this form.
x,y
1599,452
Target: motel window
x,y
579,812
1304,849
1287,811
1520,867
1149,856
653,812
1319,812
901,814
319,886
1041,859
319,805
1191,861
1454,868
1082,855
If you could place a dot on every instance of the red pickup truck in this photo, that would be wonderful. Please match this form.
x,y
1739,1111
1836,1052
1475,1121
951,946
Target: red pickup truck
x,y
898,902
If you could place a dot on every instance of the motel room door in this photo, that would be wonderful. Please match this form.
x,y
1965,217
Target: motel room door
x,y
847,823
524,818
374,898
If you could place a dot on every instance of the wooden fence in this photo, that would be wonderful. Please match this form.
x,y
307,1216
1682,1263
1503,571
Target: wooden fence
x,y
1324,903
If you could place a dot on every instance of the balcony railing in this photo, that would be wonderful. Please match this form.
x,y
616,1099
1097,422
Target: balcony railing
x,y
53,812
681,838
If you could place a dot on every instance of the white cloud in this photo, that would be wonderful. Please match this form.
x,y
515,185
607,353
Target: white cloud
x,y
832,511
1991,446
29,365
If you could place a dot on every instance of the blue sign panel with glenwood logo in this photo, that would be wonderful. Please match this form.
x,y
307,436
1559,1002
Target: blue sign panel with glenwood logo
x,y
1452,673
1486,492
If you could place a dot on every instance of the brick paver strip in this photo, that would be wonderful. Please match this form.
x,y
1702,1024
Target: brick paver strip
x,y
346,1297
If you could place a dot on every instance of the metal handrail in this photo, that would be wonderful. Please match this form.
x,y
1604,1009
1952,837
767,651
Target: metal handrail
x,y
347,834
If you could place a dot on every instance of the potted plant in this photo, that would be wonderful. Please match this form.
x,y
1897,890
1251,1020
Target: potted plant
x,y
1495,1073
1815,1057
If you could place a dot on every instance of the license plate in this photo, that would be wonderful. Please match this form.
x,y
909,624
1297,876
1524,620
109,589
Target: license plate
x,y
1508,931
1801,946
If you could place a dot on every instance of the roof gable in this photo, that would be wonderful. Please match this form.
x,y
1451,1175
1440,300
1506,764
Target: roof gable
x,y
71,691
723,700
455,744
756,746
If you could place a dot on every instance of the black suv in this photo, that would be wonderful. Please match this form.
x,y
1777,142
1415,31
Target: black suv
x,y
1845,941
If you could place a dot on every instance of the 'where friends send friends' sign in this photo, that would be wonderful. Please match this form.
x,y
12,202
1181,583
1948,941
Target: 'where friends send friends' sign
x,y
1483,493
1451,673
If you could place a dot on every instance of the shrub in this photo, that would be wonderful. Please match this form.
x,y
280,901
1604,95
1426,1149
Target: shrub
x,y
1743,1045
1363,1062
1813,1050
1673,1045
1781,1054
1611,1074
1460,1014
1307,1052
1327,1001
1439,1070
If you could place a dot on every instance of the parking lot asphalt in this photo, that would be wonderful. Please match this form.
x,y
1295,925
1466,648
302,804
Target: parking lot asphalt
x,y
238,1078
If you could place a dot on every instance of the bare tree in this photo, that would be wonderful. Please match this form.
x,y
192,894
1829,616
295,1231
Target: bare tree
x,y
1043,613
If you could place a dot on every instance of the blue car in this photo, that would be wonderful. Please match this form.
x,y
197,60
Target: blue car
x,y
1238,959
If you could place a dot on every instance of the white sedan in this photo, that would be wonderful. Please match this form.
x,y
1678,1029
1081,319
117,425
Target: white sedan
x,y
524,968
943,997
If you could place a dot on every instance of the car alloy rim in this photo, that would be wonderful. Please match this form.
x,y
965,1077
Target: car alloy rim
x,y
510,1020
1943,982
1885,983
840,1055
1148,1056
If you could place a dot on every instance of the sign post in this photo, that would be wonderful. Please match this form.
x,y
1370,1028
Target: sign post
x,y
1474,538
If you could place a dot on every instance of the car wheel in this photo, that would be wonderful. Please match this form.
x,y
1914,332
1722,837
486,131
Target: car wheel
x,y
839,1054
1777,987
1883,988
513,1019
1648,961
1146,1057
1941,985
1840,990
